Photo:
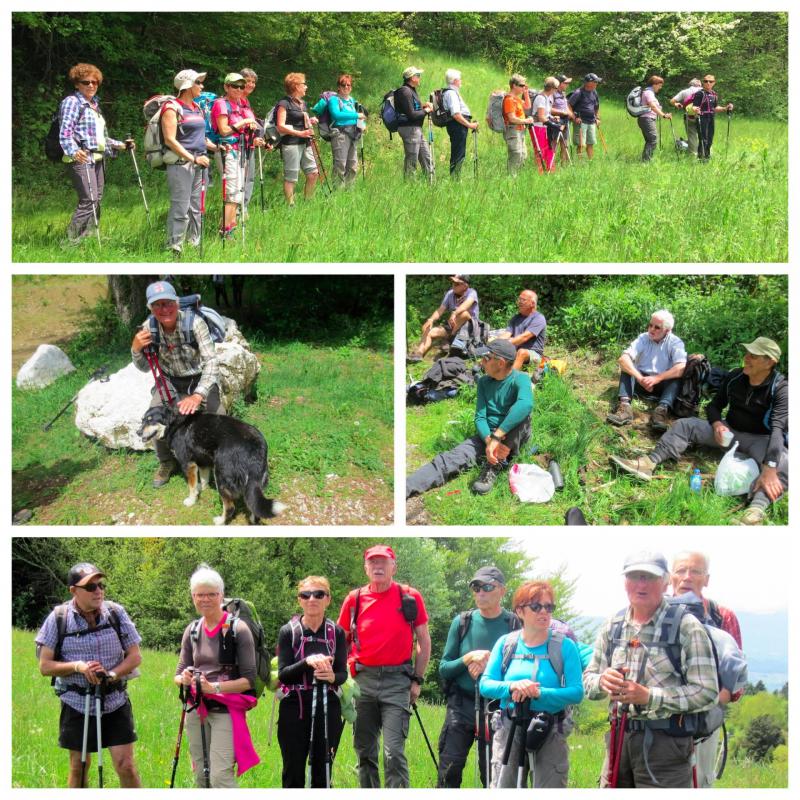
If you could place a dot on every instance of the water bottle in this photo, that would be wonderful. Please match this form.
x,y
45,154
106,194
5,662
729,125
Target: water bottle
x,y
555,473
696,481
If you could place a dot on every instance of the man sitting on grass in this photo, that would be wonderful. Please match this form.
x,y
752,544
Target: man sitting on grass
x,y
527,331
502,420
757,399
653,364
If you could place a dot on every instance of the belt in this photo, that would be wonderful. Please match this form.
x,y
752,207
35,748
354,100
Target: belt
x,y
634,725
390,668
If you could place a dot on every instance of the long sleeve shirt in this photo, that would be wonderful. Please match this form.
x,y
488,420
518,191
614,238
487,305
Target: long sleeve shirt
x,y
503,404
406,102
78,130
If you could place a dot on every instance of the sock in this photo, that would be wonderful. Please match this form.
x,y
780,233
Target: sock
x,y
760,500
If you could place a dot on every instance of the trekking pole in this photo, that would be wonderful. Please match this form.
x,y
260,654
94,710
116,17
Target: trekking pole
x,y
242,178
183,694
261,177
321,165
311,737
660,137
203,183
475,156
98,374
432,173
327,741
425,735
515,722
537,153
151,356
99,692
363,163
602,140
139,181
272,718
728,134
87,699
487,740
198,698
89,170
564,145
223,230
477,733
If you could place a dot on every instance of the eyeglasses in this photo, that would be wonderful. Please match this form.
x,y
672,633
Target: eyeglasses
x,y
317,594
198,83
206,595
655,327
694,572
93,587
482,587
537,607
345,85
89,83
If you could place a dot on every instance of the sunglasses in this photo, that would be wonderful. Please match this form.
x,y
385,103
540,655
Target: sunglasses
x,y
317,594
91,587
89,83
709,81
482,587
537,607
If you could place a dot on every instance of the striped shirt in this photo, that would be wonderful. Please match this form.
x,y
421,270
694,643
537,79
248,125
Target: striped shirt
x,y
181,359
93,645
78,127
669,694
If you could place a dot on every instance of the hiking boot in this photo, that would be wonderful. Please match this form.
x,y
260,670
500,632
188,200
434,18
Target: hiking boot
x,y
161,478
622,416
487,478
659,419
641,467
413,358
753,516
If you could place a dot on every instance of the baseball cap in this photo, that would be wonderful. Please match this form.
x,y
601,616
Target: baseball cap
x,y
186,77
563,79
460,279
379,551
234,77
160,290
81,573
763,347
646,561
592,77
498,347
489,574
410,72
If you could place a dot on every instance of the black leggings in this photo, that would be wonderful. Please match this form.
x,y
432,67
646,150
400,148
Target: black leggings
x,y
705,126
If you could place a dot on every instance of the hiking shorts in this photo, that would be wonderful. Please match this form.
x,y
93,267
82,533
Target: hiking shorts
x,y
584,133
233,176
117,728
297,157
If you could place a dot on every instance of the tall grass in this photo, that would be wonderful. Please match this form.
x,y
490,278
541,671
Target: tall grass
x,y
37,762
675,209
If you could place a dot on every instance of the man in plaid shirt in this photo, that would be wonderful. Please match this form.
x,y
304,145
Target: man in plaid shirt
x,y
631,670
95,642
189,365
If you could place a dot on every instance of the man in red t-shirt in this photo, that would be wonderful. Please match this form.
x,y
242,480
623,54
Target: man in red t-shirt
x,y
383,619
690,574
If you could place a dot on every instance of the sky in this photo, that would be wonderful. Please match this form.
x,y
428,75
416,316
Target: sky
x,y
748,571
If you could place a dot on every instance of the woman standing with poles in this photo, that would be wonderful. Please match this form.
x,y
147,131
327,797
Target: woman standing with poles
x,y
347,128
312,662
294,127
647,120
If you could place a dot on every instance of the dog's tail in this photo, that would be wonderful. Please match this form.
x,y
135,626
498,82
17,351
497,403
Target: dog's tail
x,y
258,505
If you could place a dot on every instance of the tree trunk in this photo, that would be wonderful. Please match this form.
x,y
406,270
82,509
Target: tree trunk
x,y
128,295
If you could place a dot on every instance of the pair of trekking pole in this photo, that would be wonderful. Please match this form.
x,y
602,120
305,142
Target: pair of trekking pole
x,y
482,739
184,693
520,718
96,691
323,689
320,164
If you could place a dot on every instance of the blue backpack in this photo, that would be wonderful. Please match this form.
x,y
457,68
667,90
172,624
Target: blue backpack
x,y
206,100
191,306
389,116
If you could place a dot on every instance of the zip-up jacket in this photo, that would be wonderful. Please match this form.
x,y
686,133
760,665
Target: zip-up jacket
x,y
406,101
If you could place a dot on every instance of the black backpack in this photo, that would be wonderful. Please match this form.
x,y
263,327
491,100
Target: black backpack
x,y
442,380
439,116
52,142
472,335
687,403
408,608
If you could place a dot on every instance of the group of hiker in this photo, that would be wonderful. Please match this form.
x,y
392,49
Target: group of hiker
x,y
749,410
510,679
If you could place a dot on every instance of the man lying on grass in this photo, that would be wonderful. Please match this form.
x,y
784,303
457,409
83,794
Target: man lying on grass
x,y
757,398
502,421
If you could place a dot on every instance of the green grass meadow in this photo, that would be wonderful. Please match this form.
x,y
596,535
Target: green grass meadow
x,y
37,762
568,424
326,413
733,209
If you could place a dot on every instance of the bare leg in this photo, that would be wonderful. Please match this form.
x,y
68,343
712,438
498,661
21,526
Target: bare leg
x,y
75,769
311,182
122,758
288,192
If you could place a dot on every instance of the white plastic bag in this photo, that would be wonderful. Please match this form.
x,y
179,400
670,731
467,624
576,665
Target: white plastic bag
x,y
735,475
531,483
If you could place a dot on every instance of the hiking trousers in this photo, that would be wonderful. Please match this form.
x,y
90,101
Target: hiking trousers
x,y
458,144
345,157
462,457
185,182
455,741
665,392
669,759
416,150
219,740
384,705
517,152
694,431
692,133
705,126
88,181
650,132
550,762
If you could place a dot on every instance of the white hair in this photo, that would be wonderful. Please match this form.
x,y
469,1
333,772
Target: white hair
x,y
695,82
665,317
685,555
205,576
451,75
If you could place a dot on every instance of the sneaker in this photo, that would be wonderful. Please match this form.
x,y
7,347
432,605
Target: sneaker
x,y
163,473
486,479
641,467
753,516
413,358
659,419
622,416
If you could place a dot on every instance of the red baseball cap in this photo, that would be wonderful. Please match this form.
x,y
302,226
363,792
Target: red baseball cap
x,y
379,551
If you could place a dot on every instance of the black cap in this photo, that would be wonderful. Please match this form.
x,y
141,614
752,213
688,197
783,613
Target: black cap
x,y
82,572
592,77
489,574
498,347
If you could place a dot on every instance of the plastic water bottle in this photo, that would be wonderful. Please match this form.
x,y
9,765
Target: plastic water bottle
x,y
696,481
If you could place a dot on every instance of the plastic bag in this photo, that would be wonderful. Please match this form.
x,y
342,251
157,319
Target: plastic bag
x,y
531,483
735,475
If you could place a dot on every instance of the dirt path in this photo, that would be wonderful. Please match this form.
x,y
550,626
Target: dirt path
x,y
47,309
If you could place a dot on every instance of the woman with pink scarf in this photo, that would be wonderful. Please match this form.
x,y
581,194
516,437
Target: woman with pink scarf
x,y
226,668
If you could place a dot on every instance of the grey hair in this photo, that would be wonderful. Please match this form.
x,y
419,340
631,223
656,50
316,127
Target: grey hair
x,y
205,576
665,317
451,75
695,82
249,73
686,554
550,83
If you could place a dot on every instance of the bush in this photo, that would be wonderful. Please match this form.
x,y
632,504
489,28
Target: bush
x,y
763,736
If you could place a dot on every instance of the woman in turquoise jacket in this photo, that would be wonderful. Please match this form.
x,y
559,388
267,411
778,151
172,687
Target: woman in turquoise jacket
x,y
536,674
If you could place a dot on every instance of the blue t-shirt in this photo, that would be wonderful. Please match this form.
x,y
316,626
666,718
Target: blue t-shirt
x,y
585,105
534,323
450,302
554,697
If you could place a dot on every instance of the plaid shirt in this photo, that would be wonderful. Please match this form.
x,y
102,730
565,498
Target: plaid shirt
x,y
102,645
669,694
78,129
182,360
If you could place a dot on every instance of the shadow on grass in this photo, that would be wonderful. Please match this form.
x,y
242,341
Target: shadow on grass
x,y
38,486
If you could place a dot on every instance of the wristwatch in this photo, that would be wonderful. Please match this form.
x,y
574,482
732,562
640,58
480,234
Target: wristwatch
x,y
495,437
771,464
112,675
418,679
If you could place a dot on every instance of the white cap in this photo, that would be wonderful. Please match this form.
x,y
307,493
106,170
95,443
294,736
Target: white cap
x,y
186,77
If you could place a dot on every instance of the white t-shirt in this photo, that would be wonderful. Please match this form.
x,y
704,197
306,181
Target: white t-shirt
x,y
541,101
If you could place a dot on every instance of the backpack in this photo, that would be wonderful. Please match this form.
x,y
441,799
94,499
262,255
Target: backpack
x,y
206,101
158,155
443,379
299,643
472,335
190,303
389,116
440,116
555,652
271,135
687,403
494,111
241,612
408,608
633,102
324,118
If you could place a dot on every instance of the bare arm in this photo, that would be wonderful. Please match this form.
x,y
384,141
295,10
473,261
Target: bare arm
x,y
675,371
628,367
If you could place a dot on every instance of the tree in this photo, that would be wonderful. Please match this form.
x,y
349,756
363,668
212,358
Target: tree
x,y
763,736
128,296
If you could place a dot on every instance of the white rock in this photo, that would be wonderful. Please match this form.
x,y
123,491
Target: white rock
x,y
46,365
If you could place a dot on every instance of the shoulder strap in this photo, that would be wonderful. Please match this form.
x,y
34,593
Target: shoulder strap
x,y
330,636
509,648
187,324
555,654
354,618
114,621
61,627
615,633
297,635
669,635
464,621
